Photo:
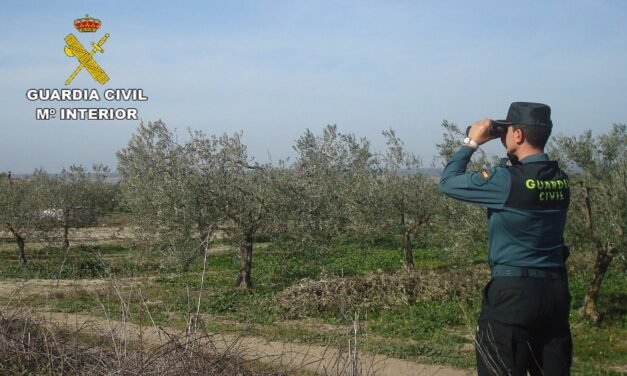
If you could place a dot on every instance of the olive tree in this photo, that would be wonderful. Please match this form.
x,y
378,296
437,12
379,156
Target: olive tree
x,y
406,200
598,174
238,189
159,188
22,208
319,188
78,197
180,193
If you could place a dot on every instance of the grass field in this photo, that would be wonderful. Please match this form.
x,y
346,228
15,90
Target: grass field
x,y
310,297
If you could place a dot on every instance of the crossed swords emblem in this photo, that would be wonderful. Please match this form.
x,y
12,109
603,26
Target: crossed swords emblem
x,y
74,48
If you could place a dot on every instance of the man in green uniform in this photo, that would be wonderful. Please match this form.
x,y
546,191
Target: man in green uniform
x,y
523,324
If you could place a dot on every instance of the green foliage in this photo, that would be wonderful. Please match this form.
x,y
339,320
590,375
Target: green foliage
x,y
599,187
598,212
83,262
318,191
417,321
159,191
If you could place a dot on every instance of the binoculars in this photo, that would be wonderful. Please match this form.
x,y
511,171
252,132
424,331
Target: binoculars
x,y
496,129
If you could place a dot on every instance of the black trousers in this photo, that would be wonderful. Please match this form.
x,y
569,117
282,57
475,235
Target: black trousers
x,y
523,327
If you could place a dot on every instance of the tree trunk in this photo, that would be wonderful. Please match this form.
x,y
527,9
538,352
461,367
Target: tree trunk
x,y
19,239
407,246
244,280
20,245
66,241
66,246
409,252
589,310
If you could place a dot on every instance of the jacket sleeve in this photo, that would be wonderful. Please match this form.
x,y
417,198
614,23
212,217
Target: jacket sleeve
x,y
486,188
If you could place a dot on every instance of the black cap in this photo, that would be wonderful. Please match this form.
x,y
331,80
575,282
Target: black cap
x,y
527,113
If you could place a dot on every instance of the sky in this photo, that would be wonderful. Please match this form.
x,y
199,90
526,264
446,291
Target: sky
x,y
274,68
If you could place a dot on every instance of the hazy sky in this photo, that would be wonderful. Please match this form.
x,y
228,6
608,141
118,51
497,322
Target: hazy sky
x,y
275,68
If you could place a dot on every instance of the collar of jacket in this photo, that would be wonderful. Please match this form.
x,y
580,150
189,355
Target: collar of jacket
x,y
542,157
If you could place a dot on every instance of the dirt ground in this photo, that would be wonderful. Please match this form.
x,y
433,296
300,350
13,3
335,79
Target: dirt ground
x,y
90,234
290,356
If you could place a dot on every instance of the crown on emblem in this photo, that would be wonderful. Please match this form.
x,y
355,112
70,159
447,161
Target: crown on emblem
x,y
87,24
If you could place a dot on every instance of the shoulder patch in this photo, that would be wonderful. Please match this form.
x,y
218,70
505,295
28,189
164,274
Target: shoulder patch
x,y
481,177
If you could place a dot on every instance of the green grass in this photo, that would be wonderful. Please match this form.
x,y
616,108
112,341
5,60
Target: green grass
x,y
434,331
83,262
419,321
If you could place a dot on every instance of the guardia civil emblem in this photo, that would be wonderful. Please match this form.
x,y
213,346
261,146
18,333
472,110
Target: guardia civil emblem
x,y
74,48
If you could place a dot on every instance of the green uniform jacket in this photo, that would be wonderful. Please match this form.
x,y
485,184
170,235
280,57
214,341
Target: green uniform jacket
x,y
527,206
